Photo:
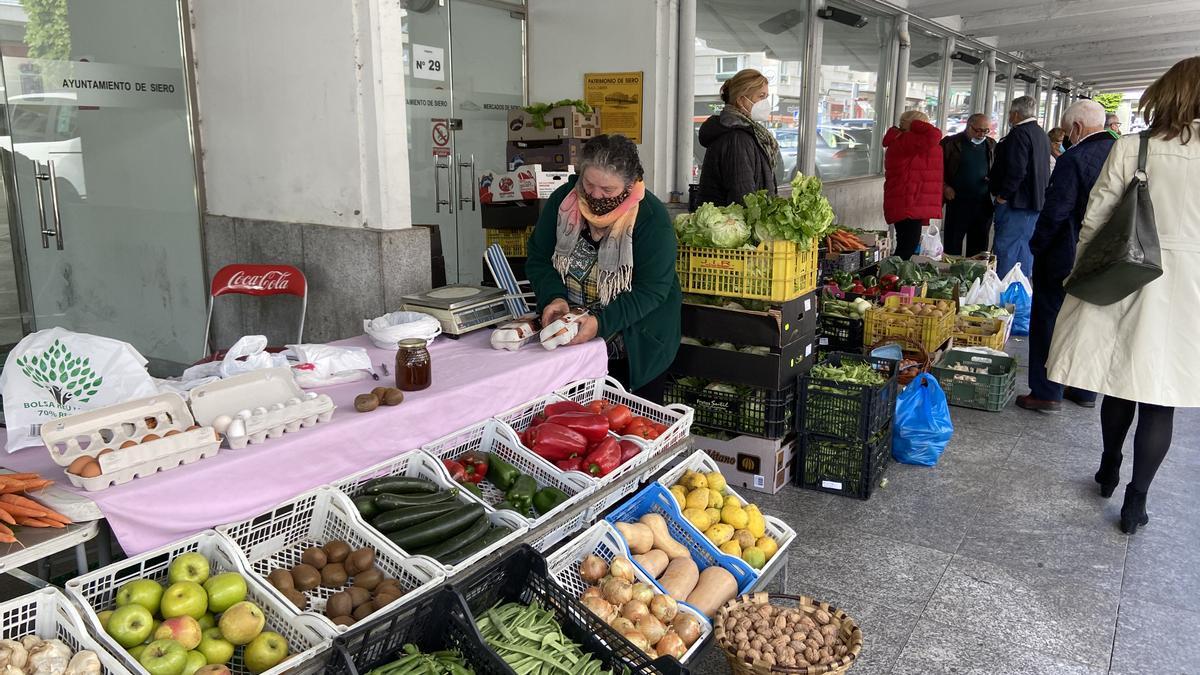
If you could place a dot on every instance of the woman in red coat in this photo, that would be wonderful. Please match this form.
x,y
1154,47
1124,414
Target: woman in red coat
x,y
912,179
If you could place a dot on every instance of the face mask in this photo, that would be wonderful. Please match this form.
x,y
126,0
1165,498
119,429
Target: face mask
x,y
761,111
979,140
602,205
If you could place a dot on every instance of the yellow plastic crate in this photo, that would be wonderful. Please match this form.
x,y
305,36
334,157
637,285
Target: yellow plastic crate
x,y
888,321
514,242
776,271
996,332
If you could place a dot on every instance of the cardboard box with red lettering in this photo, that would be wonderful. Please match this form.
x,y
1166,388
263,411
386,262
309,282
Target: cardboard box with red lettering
x,y
558,123
752,463
526,183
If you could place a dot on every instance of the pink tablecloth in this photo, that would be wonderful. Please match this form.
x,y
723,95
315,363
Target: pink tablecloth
x,y
471,382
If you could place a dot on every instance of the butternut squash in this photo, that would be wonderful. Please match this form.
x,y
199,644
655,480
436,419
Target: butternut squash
x,y
715,587
662,537
638,537
653,561
679,578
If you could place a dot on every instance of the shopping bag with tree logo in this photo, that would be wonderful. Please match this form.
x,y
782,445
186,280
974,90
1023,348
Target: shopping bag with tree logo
x,y
922,426
54,373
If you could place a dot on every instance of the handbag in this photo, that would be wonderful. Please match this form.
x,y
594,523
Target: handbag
x,y
1125,254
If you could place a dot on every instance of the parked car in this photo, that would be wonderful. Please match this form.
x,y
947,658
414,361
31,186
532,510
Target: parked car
x,y
841,152
43,128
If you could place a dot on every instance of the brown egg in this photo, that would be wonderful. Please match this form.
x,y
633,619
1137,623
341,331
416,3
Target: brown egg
x,y
90,470
194,426
151,423
149,437
128,444
76,467
171,433
103,453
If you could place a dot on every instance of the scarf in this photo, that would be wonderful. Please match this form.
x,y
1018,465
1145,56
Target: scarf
x,y
766,140
615,255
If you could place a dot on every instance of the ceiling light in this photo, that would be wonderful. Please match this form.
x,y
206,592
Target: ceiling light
x,y
966,58
843,17
781,23
927,60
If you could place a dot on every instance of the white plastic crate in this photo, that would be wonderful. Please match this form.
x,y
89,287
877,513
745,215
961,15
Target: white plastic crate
x,y
495,437
779,530
97,591
276,540
519,417
678,418
603,540
48,614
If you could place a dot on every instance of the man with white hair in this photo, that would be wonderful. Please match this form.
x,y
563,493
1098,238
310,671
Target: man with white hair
x,y
1053,246
1018,182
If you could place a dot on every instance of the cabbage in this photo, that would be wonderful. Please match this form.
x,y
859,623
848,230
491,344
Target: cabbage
x,y
713,227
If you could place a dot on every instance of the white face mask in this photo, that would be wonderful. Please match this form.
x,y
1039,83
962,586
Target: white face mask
x,y
761,111
979,140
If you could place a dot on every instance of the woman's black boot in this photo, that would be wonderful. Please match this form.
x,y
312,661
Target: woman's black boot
x,y
1133,511
1109,475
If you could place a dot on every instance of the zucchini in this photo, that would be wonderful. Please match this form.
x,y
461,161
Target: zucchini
x,y
437,530
399,519
388,501
366,506
452,544
399,485
494,535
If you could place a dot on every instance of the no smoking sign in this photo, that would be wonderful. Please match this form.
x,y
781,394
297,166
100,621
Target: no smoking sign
x,y
441,138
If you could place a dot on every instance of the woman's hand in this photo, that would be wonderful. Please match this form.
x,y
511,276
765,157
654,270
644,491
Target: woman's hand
x,y
588,327
556,309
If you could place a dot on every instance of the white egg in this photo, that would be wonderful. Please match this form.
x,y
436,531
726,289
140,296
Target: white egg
x,y
244,413
310,395
237,428
277,406
221,423
260,410
293,401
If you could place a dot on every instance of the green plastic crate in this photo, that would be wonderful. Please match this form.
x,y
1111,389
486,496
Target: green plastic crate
x,y
990,385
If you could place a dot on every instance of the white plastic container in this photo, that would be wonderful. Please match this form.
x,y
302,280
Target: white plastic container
x,y
48,614
260,404
562,330
513,335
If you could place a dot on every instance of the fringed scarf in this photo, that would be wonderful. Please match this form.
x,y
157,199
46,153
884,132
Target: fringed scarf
x,y
615,254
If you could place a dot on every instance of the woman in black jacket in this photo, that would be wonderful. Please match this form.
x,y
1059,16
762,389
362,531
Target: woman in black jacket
x,y
742,155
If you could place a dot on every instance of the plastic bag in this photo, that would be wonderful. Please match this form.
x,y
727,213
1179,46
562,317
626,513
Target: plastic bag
x,y
247,354
388,330
985,291
55,372
931,243
324,365
1016,294
923,427
1015,275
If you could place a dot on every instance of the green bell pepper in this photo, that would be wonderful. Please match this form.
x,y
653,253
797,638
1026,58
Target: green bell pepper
x,y
521,493
472,488
500,472
508,506
546,499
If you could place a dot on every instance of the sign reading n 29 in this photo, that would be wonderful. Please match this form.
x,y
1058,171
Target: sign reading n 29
x,y
428,63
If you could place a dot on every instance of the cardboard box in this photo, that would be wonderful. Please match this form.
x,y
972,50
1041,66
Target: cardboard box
x,y
552,155
511,215
752,463
526,183
780,325
561,122
774,371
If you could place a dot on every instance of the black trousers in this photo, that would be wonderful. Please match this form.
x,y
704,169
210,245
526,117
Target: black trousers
x,y
1048,296
970,218
908,237
651,391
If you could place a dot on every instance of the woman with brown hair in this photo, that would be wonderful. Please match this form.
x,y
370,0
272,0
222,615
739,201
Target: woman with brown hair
x,y
1140,352
743,155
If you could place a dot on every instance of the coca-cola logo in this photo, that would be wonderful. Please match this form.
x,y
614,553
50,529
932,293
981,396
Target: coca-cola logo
x,y
267,281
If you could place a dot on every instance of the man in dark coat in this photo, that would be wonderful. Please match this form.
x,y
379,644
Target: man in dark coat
x,y
1053,246
1018,182
967,158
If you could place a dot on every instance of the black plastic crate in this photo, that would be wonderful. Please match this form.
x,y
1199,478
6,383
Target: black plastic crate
x,y
840,334
843,410
753,411
841,262
768,325
842,467
778,369
438,621
521,576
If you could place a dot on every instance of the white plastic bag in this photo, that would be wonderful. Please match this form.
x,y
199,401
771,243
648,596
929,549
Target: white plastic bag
x,y
985,290
247,354
1016,276
388,330
55,372
323,365
931,242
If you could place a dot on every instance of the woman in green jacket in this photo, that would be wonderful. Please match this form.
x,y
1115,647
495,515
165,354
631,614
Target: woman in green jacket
x,y
605,243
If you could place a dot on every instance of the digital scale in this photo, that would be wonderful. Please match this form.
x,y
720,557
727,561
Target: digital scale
x,y
461,308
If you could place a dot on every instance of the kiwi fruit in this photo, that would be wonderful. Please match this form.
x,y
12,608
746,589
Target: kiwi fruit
x,y
282,580
358,594
362,559
314,556
305,577
339,604
343,620
336,551
380,392
366,402
368,579
297,598
393,397
334,575
384,585
387,597
364,610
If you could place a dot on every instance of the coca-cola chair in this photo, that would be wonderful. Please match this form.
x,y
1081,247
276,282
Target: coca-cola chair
x,y
260,280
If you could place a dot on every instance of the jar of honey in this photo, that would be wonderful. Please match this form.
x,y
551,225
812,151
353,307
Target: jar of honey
x,y
413,372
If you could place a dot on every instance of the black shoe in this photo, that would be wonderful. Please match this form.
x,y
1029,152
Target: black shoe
x,y
1109,475
1028,402
1133,511
1073,397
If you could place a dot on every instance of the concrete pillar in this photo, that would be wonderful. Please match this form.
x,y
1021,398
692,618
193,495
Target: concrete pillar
x,y
811,94
902,59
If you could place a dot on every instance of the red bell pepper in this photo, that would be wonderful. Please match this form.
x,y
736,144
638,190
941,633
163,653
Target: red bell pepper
x,y
555,442
457,472
629,450
571,464
590,425
475,464
603,458
619,417
561,407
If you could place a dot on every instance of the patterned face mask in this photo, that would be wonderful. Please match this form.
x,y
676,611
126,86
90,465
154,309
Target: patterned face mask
x,y
603,205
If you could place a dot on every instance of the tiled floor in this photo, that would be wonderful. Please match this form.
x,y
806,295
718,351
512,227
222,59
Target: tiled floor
x,y
1004,558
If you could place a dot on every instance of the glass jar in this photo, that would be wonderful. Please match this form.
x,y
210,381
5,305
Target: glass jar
x,y
413,372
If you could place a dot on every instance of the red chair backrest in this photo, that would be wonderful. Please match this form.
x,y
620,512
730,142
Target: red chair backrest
x,y
244,279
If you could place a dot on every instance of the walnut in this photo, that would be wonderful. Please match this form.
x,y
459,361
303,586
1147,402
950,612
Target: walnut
x,y
822,616
811,655
780,622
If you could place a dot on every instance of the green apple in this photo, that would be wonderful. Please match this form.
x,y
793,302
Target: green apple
x,y
215,669
188,567
186,598
215,648
225,591
265,652
153,629
137,651
130,625
163,657
241,623
183,629
208,621
145,592
195,661
103,617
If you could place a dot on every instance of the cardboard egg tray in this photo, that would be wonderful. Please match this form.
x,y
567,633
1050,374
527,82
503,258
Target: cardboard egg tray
x,y
268,403
107,429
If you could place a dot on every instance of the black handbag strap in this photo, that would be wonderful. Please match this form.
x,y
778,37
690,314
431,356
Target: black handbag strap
x,y
1143,150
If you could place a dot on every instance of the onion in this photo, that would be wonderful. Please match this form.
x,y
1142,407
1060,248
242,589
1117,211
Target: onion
x,y
637,639
634,611
592,569
651,627
600,607
664,608
687,627
617,591
622,625
643,593
591,592
622,569
671,645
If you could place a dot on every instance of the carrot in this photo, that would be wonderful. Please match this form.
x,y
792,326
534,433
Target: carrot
x,y
57,517
7,517
8,539
38,484
19,506
39,522
21,476
5,531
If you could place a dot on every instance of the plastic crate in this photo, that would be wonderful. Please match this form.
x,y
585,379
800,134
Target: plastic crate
x,y
888,321
437,621
777,271
522,576
779,530
839,262
603,540
515,243
843,467
765,413
846,410
276,540
655,498
97,591
48,614
495,437
678,418
841,334
990,389
996,335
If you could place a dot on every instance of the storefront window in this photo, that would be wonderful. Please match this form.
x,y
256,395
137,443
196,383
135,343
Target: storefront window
x,y
999,92
960,101
926,58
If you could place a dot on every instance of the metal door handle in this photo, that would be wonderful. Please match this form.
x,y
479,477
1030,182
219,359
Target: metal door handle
x,y
58,231
437,188
470,186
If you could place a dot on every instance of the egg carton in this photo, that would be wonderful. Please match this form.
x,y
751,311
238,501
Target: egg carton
x,y
116,437
255,406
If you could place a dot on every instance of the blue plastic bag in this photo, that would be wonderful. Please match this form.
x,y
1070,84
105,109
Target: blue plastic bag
x,y
1016,294
923,426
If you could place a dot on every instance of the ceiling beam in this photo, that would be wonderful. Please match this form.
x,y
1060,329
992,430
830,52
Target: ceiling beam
x,y
1149,71
1123,58
933,9
1144,28
1064,11
1121,22
1084,45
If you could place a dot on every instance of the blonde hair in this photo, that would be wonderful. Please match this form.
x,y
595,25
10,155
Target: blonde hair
x,y
1056,134
910,115
1173,101
742,84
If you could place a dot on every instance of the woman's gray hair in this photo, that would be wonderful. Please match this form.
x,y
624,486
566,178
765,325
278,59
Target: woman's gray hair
x,y
615,154
1025,106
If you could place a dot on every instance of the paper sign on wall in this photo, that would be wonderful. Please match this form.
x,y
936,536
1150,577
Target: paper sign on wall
x,y
618,96
428,62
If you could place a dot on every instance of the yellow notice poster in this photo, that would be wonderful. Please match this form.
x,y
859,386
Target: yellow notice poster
x,y
618,96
